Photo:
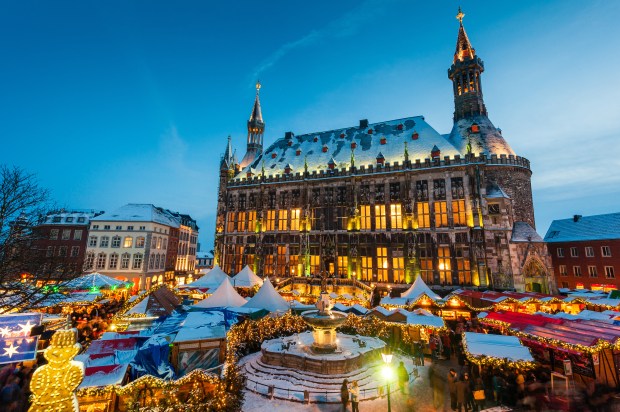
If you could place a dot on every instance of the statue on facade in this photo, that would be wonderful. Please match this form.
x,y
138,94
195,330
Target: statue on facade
x,y
53,385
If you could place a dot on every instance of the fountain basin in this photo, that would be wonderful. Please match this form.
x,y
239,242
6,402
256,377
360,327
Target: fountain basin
x,y
324,326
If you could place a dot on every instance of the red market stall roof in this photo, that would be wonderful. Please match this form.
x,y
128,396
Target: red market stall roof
x,y
109,346
491,297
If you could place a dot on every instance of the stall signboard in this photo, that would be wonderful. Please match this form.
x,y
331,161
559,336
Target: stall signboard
x,y
16,342
595,358
568,368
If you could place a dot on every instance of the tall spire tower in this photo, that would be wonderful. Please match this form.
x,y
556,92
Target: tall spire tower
x,y
256,128
465,74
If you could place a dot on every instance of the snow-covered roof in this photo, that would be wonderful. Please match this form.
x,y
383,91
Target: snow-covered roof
x,y
523,232
202,326
268,298
488,140
211,280
419,288
160,302
139,212
497,346
93,280
224,296
493,190
246,279
598,227
423,319
99,376
74,217
369,145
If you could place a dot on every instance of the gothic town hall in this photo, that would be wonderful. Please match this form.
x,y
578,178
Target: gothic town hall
x,y
386,202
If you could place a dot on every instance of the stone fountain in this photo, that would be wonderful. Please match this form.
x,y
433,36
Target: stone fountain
x,y
324,322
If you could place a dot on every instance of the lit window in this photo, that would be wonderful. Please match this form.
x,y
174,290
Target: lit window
x,y
365,217
398,269
251,221
343,263
424,219
396,216
282,220
458,213
382,264
125,261
116,241
92,241
271,220
592,271
232,223
128,241
577,271
295,216
240,222
606,251
158,245
445,276
113,261
589,251
367,268
441,214
105,241
609,272
380,217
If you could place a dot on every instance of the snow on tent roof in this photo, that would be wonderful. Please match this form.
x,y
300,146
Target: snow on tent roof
x,y
159,302
268,298
98,376
425,320
211,280
246,279
419,288
202,326
93,280
139,212
224,296
497,346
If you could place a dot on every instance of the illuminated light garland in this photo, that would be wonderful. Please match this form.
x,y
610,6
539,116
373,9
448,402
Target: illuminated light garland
x,y
495,362
127,306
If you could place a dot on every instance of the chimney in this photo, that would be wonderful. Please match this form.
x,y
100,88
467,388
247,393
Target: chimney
x,y
289,135
576,218
363,123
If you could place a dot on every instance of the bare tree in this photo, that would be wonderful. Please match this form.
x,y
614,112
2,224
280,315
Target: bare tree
x,y
27,275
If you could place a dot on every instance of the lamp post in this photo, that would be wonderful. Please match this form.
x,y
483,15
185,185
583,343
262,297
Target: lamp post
x,y
388,374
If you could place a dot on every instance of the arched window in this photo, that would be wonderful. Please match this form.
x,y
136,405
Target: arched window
x,y
101,259
151,261
162,263
89,261
113,263
125,261
128,241
116,241
157,262
137,261
158,243
165,244
140,241
153,242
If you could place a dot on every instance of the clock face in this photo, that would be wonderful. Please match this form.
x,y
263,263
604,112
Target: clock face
x,y
493,209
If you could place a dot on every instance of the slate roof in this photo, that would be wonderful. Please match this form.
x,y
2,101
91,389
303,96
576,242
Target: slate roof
x,y
597,227
139,212
523,232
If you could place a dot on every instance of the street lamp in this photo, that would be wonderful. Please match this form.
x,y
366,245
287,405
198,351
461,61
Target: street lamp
x,y
388,374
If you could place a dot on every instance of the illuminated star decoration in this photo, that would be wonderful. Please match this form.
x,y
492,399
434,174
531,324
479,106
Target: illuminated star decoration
x,y
5,331
10,350
25,328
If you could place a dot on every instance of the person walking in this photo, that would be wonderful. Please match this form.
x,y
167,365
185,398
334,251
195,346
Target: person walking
x,y
344,394
355,396
438,384
462,393
403,377
452,379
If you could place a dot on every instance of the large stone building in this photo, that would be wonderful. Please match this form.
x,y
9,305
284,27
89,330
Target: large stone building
x,y
386,202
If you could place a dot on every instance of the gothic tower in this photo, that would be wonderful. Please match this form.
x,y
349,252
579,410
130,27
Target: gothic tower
x,y
465,75
256,128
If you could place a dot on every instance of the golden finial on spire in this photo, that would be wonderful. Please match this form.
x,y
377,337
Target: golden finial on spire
x,y
258,86
460,15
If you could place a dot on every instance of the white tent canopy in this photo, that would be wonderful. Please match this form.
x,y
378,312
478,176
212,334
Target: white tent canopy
x,y
224,296
418,289
497,346
93,280
211,280
268,298
246,279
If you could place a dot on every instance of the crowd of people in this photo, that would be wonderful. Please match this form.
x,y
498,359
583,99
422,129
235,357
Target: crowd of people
x,y
15,384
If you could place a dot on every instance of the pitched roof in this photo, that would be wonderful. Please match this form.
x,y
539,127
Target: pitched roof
x,y
160,302
419,288
224,296
139,212
268,298
246,278
523,232
597,227
211,280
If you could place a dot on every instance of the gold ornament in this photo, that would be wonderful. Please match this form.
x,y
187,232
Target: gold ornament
x,y
53,385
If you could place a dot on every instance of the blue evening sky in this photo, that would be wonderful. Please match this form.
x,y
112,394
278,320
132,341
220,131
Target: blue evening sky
x,y
111,102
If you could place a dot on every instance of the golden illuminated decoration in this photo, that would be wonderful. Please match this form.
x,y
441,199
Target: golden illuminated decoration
x,y
53,385
490,361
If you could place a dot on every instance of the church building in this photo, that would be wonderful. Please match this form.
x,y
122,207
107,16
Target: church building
x,y
387,202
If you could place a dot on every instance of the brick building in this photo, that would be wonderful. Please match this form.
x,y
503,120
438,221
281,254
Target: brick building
x,y
386,202
63,236
585,251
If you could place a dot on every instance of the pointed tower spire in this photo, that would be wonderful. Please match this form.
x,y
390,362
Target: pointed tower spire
x,y
256,128
228,158
465,75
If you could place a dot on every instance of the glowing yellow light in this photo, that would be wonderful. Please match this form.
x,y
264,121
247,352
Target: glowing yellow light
x,y
387,372
442,266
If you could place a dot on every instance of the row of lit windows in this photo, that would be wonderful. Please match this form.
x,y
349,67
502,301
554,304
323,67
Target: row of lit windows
x,y
592,271
246,221
101,261
574,251
66,234
127,242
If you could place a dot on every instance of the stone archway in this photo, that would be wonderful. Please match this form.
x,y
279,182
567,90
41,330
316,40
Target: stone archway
x,y
535,276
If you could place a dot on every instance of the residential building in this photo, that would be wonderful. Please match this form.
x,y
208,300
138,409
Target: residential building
x,y
131,243
185,264
204,260
386,202
585,251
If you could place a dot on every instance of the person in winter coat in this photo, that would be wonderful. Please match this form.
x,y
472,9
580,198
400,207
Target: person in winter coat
x,y
452,379
463,393
355,396
344,394
477,386
438,384
403,377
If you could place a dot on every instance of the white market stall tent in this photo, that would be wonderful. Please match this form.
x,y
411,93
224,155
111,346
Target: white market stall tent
x,y
93,281
224,296
268,298
246,279
211,280
479,345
